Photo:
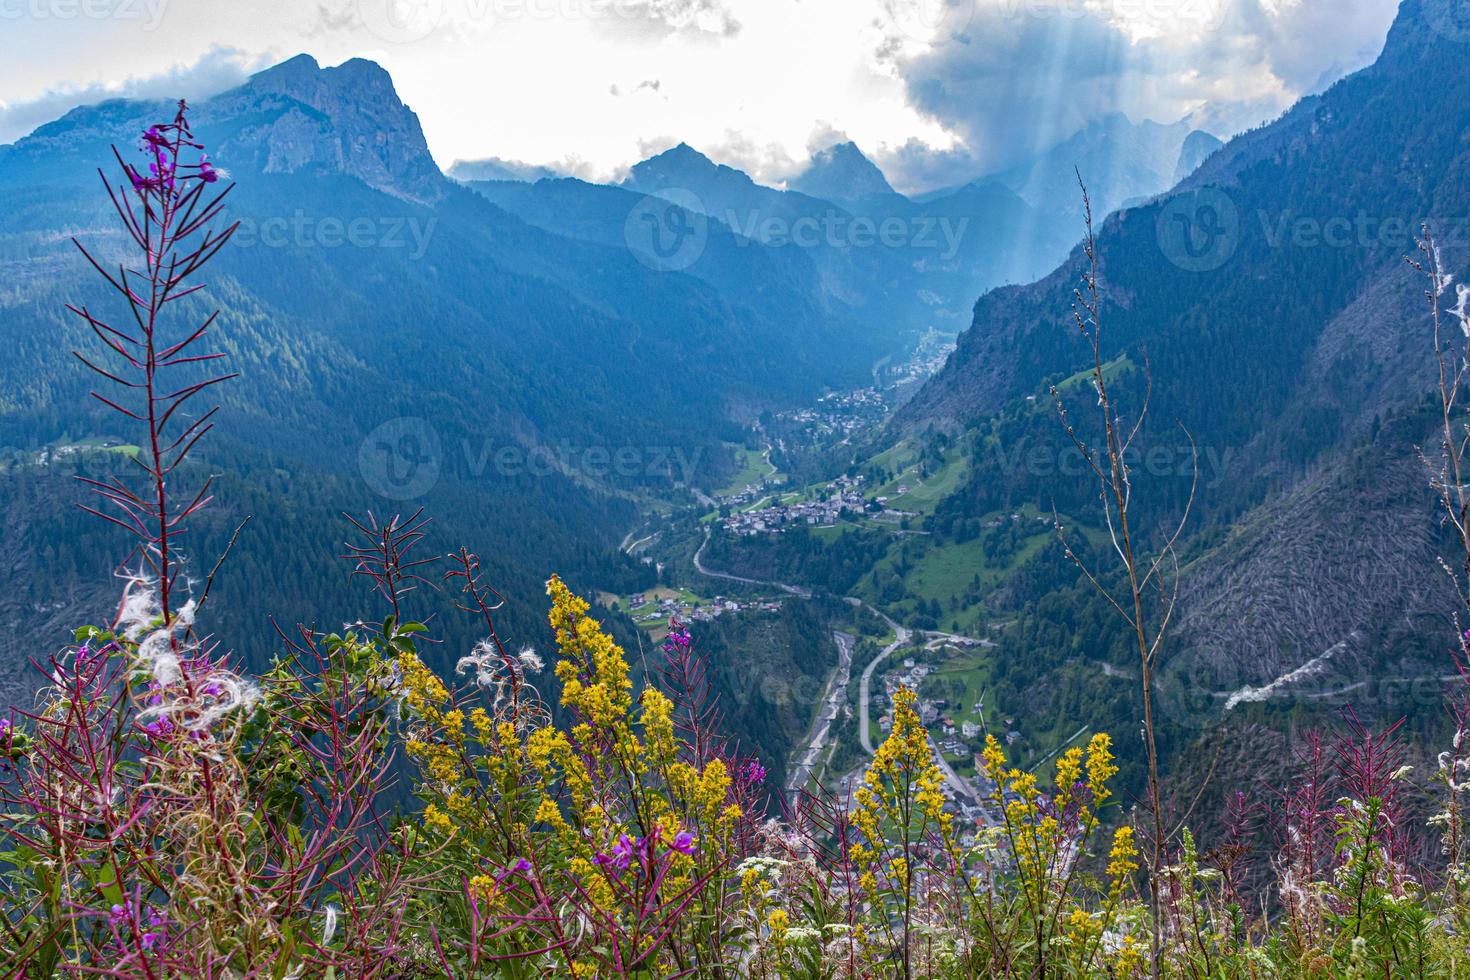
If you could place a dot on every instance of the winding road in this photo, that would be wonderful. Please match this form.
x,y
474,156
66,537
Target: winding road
x,y
701,568
837,692
865,683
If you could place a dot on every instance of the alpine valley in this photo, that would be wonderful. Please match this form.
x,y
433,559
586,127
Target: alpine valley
x,y
815,422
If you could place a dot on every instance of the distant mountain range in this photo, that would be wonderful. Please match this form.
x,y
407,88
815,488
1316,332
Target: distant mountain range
x,y
1121,161
402,341
470,343
494,168
906,264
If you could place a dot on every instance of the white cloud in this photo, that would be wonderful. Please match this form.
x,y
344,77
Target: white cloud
x,y
932,89
1025,74
215,71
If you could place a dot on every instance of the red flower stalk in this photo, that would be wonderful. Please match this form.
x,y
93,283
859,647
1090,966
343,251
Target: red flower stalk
x,y
168,210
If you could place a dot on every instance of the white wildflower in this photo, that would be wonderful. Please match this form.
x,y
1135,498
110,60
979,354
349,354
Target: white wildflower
x,y
530,660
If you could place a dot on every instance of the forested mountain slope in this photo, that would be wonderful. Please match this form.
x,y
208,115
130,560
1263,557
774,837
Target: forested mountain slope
x,y
402,342
1286,338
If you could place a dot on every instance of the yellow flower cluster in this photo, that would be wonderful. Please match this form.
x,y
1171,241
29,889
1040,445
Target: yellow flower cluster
x,y
779,923
483,887
1039,840
658,726
1132,959
437,746
592,671
551,752
901,796
422,688
437,820
438,759
1122,859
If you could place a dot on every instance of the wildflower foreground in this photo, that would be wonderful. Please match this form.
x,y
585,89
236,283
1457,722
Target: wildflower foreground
x,y
168,818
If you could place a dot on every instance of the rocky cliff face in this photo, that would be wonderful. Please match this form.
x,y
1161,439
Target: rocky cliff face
x,y
295,117
343,120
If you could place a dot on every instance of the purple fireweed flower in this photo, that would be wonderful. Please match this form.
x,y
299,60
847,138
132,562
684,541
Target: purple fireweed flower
x,y
753,773
207,173
678,639
683,842
159,728
121,915
151,939
520,866
620,855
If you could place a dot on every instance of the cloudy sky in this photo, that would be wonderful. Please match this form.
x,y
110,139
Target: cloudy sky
x,y
936,91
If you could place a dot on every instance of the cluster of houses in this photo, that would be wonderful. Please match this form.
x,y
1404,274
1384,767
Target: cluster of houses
x,y
912,677
839,413
777,517
666,607
924,364
55,454
845,497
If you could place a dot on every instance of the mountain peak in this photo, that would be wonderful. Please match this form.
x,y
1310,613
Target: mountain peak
x,y
1197,147
679,166
303,65
841,173
357,125
684,155
303,79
